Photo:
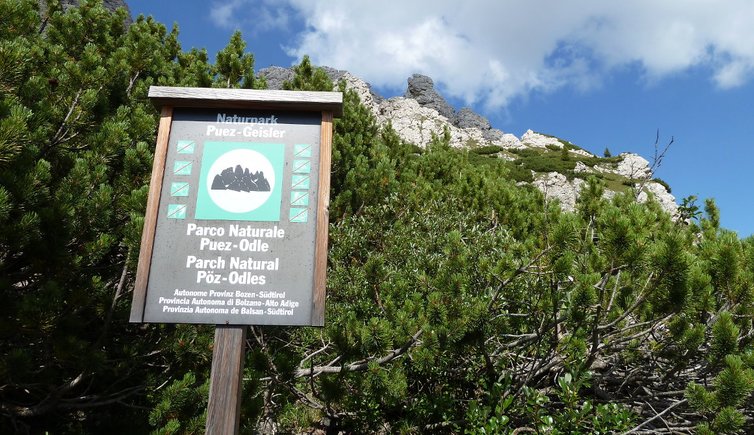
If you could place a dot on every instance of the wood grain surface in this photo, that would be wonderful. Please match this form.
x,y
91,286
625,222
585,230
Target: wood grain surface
x,y
224,407
323,221
150,216
247,98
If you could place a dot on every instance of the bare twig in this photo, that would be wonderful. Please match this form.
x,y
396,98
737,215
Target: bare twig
x,y
658,416
57,138
517,272
82,402
615,291
630,309
354,366
645,422
311,355
118,292
656,161
131,83
361,365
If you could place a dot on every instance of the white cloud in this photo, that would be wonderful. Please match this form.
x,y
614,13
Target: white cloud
x,y
224,14
272,18
733,73
491,52
256,16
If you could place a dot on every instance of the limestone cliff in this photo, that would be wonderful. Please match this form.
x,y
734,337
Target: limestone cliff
x,y
422,112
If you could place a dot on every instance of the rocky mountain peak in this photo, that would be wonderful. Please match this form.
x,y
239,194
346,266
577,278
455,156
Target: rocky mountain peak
x,y
422,113
422,89
276,76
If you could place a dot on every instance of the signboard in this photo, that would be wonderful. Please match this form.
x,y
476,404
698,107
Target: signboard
x,y
238,217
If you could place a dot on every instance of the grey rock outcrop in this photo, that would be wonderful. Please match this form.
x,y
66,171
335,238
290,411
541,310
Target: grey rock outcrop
x,y
555,186
467,127
276,76
417,124
422,89
661,195
538,140
364,91
334,74
413,122
581,168
111,5
634,166
467,118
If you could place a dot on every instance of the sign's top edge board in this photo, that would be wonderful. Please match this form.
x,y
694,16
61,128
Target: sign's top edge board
x,y
247,98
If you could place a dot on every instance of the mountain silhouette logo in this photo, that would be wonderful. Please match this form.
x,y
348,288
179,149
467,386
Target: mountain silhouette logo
x,y
240,180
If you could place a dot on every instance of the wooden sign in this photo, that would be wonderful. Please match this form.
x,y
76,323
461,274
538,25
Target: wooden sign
x,y
236,226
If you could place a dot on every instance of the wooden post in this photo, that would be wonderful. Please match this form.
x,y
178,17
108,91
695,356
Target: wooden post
x,y
323,221
224,407
150,217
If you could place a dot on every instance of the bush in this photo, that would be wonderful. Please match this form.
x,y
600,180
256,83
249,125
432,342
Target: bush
x,y
487,149
549,161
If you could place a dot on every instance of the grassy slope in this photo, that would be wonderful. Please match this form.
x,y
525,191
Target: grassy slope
x,y
550,159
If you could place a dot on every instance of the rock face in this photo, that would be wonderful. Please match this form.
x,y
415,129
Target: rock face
x,y
415,118
467,118
422,89
634,166
661,195
416,123
537,140
556,186
367,96
275,76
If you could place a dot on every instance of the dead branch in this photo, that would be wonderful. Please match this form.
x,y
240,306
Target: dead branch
x,y
361,365
656,160
118,292
57,138
645,422
517,272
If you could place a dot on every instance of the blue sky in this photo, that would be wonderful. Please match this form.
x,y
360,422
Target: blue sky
x,y
599,74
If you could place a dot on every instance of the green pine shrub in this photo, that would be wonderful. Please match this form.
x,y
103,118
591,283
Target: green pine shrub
x,y
458,300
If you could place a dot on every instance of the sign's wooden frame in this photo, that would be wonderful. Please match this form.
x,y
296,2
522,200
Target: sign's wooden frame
x,y
329,104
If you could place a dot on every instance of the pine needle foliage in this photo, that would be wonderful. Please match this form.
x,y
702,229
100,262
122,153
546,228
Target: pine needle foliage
x,y
458,299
